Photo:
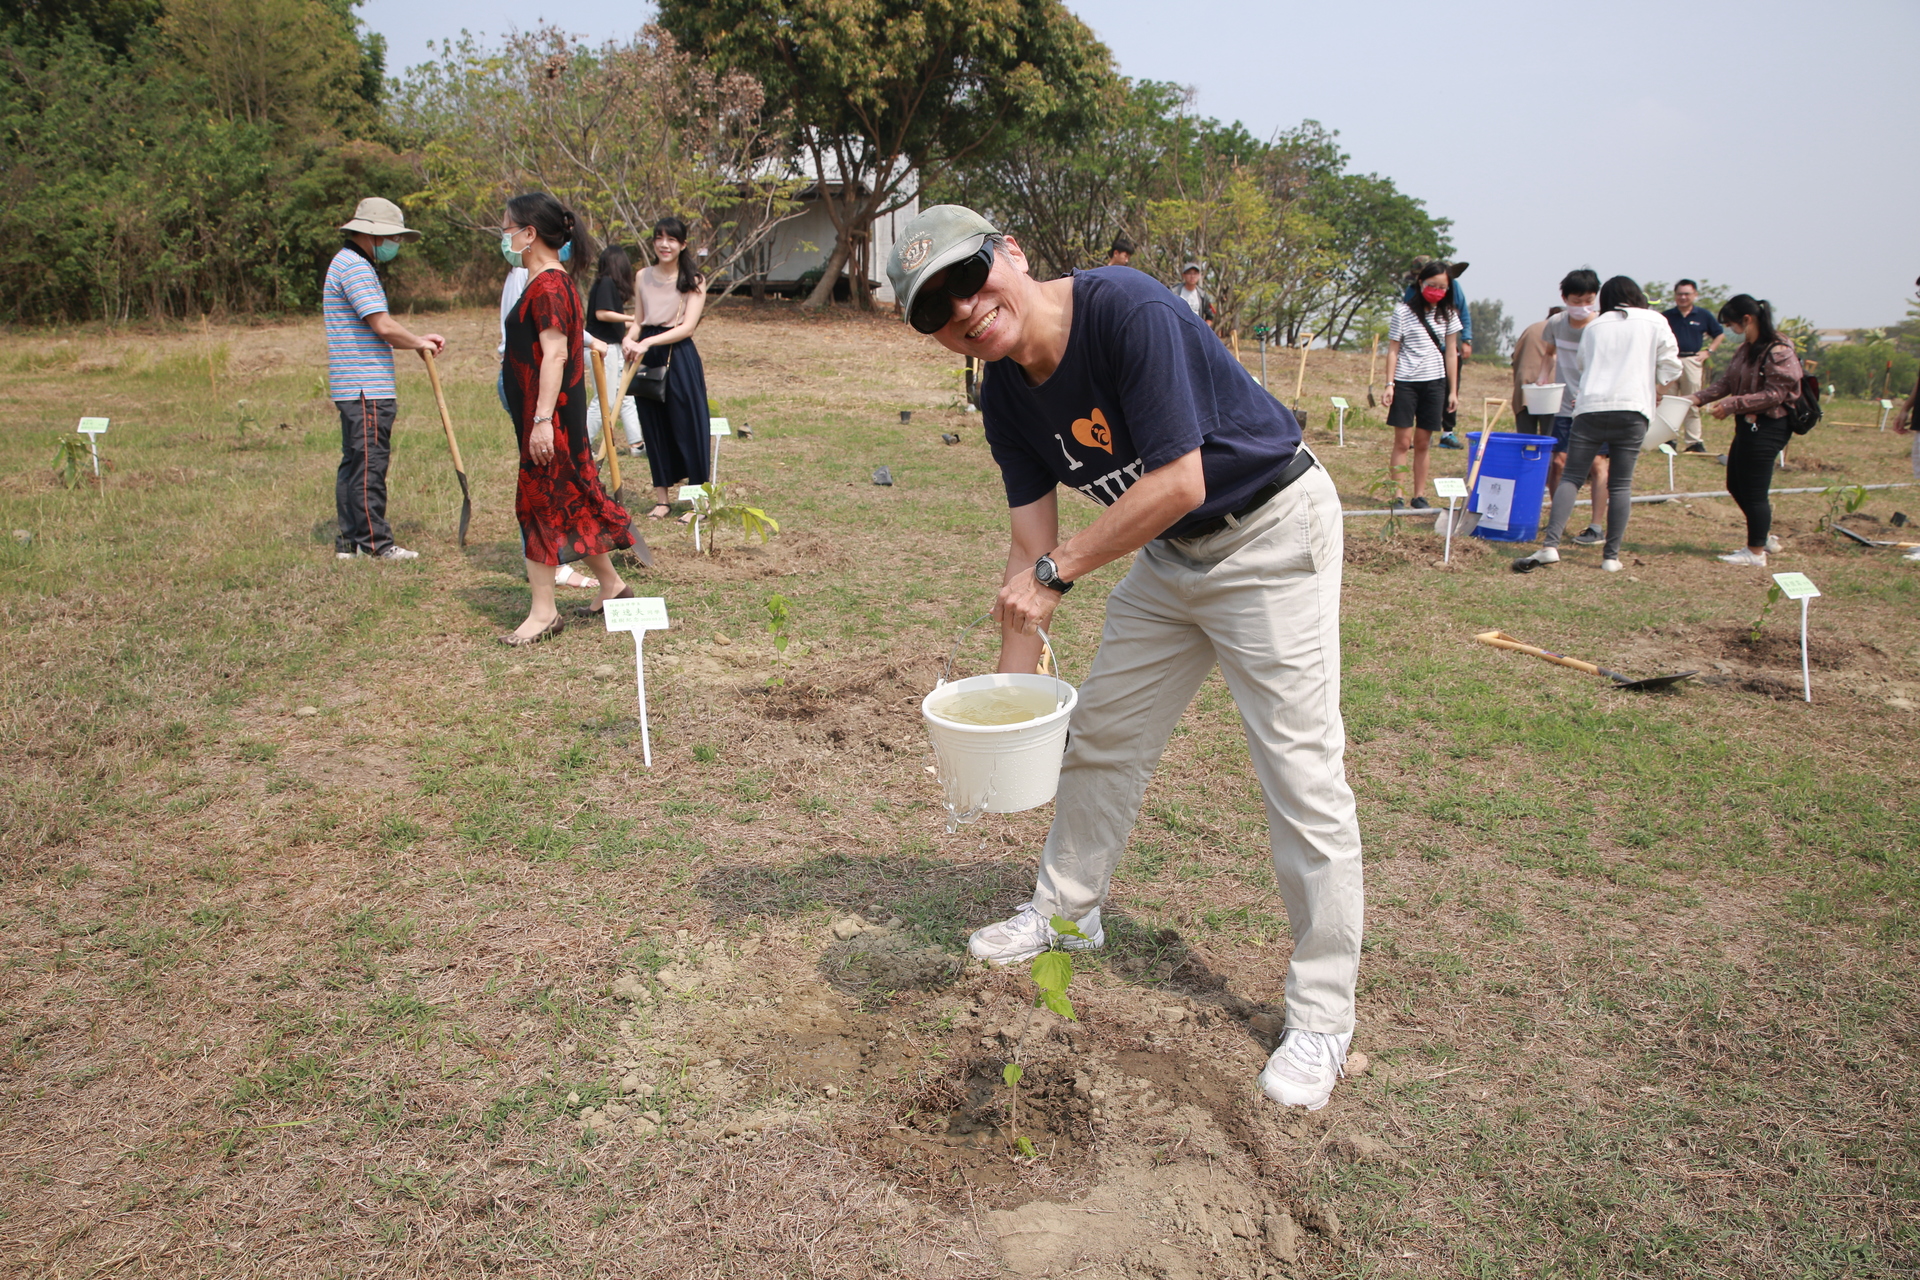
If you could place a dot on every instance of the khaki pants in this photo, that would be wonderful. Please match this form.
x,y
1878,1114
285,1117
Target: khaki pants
x,y
1693,370
1262,601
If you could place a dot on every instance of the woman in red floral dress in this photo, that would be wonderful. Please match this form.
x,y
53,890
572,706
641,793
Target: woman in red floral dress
x,y
565,514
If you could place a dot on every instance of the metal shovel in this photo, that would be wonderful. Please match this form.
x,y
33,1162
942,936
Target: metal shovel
x,y
1501,640
1871,542
453,446
1464,521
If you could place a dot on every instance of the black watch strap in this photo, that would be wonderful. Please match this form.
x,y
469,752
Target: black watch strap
x,y
1048,575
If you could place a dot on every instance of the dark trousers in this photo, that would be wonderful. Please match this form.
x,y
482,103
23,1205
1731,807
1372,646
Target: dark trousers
x,y
360,490
1756,443
1622,430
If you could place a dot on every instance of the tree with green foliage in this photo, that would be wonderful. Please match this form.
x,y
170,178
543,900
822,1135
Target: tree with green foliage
x,y
886,96
1492,327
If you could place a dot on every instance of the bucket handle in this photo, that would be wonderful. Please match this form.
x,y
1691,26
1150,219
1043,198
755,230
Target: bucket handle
x,y
1049,661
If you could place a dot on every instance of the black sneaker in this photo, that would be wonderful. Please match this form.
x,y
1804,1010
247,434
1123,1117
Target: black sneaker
x,y
1591,536
1695,447
1421,504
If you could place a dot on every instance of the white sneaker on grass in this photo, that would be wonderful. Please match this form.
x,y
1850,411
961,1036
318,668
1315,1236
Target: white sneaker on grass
x,y
1773,542
1545,555
1746,556
1027,933
397,552
1912,555
1611,566
1303,1070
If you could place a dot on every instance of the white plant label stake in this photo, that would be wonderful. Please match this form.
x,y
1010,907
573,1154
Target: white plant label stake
x,y
639,615
1886,407
1798,586
717,427
93,429
1668,450
1340,403
1452,488
697,495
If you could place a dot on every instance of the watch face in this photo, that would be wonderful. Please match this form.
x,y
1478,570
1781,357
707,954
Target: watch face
x,y
1045,570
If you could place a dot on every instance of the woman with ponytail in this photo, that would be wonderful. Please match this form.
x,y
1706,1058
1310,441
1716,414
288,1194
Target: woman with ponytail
x,y
564,513
1756,390
667,307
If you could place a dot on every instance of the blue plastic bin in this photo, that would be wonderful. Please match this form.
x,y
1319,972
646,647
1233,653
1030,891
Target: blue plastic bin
x,y
1517,464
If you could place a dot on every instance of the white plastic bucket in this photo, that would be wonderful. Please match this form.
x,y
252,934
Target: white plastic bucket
x,y
999,768
1667,420
1544,401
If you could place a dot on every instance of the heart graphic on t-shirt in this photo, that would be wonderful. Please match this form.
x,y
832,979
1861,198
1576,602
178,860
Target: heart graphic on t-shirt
x,y
1094,432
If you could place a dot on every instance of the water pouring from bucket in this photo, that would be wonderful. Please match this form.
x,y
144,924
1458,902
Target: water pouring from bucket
x,y
997,739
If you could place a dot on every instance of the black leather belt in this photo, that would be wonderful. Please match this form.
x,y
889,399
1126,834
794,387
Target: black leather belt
x,y
1303,462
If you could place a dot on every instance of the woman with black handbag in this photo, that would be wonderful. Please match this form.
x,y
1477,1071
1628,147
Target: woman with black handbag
x,y
1423,368
1759,386
671,385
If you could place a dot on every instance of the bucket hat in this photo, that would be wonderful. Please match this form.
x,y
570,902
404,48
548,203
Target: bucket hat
x,y
935,239
376,217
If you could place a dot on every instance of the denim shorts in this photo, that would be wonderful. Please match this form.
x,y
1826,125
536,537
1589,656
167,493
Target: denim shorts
x,y
1563,436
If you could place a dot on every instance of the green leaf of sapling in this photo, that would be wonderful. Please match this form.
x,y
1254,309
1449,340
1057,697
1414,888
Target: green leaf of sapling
x,y
1058,1002
1062,925
1052,970
1011,1074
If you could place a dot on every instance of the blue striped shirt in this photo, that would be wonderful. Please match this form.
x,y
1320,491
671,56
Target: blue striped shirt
x,y
359,361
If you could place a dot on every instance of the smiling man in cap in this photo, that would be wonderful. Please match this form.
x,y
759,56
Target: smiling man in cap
x,y
1107,383
361,337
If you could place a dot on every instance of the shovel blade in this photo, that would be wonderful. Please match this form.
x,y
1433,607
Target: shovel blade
x,y
1655,682
641,551
466,506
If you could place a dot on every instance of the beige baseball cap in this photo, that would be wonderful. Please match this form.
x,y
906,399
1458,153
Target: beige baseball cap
x,y
376,217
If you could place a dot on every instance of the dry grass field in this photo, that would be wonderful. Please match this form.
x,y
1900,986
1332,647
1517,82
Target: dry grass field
x,y
340,941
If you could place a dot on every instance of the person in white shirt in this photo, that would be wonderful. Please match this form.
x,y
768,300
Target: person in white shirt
x,y
1189,292
1625,354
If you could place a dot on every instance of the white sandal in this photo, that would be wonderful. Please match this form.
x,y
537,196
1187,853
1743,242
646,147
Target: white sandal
x,y
568,576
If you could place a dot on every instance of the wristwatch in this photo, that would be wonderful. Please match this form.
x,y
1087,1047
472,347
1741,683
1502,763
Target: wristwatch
x,y
1047,574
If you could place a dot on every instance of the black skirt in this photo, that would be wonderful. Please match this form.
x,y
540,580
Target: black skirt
x,y
679,448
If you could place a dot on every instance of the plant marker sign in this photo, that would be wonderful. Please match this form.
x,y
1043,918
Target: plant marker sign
x,y
717,427
1340,403
1798,586
93,429
639,615
1452,488
1668,450
697,495
1886,407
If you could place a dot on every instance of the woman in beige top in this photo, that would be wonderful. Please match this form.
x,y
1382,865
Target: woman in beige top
x,y
670,297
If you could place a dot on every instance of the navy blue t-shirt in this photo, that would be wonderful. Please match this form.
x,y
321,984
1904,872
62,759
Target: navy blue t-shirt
x,y
1143,383
1692,330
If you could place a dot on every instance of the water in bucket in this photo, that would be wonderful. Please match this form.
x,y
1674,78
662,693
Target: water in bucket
x,y
1003,705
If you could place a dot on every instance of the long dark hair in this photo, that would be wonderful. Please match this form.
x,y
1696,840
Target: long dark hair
x,y
689,277
1742,305
1444,307
1619,293
616,265
555,224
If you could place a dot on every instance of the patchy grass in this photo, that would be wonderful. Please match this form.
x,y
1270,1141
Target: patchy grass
x,y
335,992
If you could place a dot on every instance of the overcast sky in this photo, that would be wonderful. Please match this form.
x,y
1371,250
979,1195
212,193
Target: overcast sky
x,y
1765,144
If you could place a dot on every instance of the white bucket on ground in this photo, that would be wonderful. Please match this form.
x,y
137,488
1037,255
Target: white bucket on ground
x,y
1667,420
1544,401
999,768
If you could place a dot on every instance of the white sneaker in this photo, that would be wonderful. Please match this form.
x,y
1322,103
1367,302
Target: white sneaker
x,y
345,555
1773,542
1611,566
1302,1071
1545,555
1912,555
1028,933
397,552
1745,556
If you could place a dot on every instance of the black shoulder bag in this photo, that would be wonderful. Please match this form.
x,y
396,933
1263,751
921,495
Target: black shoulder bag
x,y
650,383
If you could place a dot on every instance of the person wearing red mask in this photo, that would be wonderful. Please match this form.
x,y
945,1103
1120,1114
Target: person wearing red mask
x,y
1423,370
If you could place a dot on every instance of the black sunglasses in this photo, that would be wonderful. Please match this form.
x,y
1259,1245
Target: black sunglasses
x,y
933,306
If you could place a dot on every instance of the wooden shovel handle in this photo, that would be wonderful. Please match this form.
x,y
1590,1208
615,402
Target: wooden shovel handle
x,y
1501,640
440,398
607,421
1301,380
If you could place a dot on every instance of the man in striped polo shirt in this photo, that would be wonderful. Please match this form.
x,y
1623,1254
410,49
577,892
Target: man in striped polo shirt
x,y
361,337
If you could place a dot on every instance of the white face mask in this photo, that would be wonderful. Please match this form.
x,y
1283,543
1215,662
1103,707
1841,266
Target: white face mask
x,y
1581,313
